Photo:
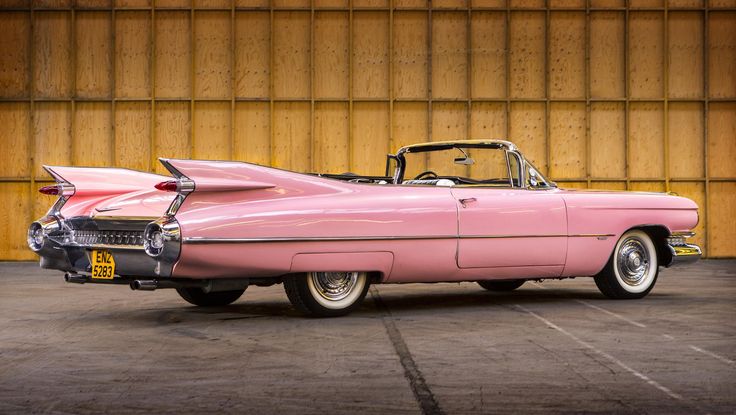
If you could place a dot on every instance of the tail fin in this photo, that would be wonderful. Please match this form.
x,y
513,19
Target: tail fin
x,y
87,186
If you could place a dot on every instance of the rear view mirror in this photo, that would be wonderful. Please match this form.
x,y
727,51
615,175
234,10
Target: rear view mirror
x,y
466,161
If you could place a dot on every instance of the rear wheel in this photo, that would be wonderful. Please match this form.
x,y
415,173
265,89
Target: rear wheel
x,y
197,296
327,294
508,285
633,268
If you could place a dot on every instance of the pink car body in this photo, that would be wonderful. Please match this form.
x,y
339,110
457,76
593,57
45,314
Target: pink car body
x,y
235,220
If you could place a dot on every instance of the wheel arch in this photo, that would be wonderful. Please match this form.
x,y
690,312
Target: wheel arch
x,y
659,235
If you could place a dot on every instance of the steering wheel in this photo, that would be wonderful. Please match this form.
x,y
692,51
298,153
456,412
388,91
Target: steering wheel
x,y
426,173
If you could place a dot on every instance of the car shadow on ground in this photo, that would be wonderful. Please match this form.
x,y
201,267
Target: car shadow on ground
x,y
396,304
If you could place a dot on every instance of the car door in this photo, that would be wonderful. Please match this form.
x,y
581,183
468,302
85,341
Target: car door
x,y
510,227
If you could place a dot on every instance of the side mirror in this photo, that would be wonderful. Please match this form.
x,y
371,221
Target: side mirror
x,y
465,161
533,181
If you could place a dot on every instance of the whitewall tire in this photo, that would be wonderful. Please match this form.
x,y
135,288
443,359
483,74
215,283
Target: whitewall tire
x,y
327,294
633,268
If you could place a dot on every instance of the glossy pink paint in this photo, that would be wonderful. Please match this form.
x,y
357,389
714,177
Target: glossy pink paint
x,y
411,233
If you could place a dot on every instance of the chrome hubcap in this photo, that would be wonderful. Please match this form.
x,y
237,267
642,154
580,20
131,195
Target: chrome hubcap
x,y
334,286
633,261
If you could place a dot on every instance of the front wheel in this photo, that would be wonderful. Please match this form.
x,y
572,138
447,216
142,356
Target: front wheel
x,y
633,268
327,294
197,296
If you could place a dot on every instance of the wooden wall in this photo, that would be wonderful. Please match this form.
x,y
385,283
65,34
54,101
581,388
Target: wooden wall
x,y
604,94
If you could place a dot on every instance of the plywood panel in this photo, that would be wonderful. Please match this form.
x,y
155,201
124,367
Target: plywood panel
x,y
173,54
93,54
52,135
133,135
722,3
646,153
52,55
646,48
410,55
721,226
634,4
647,186
252,3
331,137
92,134
291,136
132,54
607,55
211,4
685,62
574,185
449,55
607,140
608,185
14,55
488,3
14,220
291,3
370,3
696,193
448,4
212,131
133,3
331,4
370,138
488,120
686,139
449,122
526,4
527,54
488,40
722,54
252,141
685,3
410,3
173,130
370,55
527,131
562,4
252,54
212,66
567,140
45,4
409,124
291,54
567,55
722,139
162,4
14,138
331,55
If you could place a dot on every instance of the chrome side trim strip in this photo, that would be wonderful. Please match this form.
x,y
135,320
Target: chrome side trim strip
x,y
204,240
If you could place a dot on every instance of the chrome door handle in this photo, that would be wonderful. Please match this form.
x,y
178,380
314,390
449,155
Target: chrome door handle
x,y
465,201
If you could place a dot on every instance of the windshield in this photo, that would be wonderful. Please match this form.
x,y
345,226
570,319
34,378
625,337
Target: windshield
x,y
487,166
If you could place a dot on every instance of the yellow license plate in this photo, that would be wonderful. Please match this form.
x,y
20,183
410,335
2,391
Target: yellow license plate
x,y
103,264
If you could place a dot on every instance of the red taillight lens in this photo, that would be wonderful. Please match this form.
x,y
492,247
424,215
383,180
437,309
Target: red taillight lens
x,y
168,186
50,190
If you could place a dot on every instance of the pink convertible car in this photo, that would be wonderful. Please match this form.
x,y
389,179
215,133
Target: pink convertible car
x,y
471,210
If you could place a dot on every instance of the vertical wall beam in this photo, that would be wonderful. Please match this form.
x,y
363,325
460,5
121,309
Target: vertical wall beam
x,y
311,87
469,72
429,70
192,81
152,69
351,118
548,152
627,92
232,80
113,85
706,132
271,85
32,110
666,89
73,75
588,112
507,69
390,76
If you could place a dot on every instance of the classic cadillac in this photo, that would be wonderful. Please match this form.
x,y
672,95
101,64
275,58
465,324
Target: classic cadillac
x,y
468,210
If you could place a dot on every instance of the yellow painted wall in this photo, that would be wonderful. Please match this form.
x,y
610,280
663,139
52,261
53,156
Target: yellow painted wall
x,y
637,94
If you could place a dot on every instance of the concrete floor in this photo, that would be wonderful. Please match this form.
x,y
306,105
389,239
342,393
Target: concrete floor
x,y
555,347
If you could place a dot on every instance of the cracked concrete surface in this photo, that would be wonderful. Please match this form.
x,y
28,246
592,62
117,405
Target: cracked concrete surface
x,y
554,347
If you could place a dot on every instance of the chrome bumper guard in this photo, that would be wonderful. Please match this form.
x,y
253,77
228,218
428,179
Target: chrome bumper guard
x,y
681,252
